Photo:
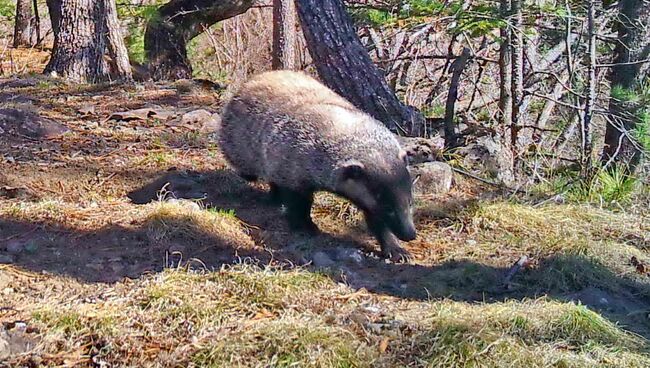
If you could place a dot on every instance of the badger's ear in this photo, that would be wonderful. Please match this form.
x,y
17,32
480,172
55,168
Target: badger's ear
x,y
351,170
352,182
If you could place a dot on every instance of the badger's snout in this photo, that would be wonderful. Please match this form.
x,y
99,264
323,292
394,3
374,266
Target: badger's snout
x,y
403,227
407,231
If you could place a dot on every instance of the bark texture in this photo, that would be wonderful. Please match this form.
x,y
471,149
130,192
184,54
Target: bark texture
x,y
517,48
83,30
54,9
116,48
79,42
176,23
37,25
344,65
633,26
23,24
586,130
505,73
457,69
284,34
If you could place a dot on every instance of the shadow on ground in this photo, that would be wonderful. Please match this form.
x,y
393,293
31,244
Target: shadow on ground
x,y
117,251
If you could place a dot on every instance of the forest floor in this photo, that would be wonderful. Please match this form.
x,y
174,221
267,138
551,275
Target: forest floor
x,y
102,263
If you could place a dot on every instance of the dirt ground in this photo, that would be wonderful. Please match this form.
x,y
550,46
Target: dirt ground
x,y
79,207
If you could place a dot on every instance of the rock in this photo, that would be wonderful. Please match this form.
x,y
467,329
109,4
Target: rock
x,y
144,113
31,247
190,205
211,125
322,260
16,341
350,254
489,156
9,97
15,192
15,246
87,109
18,83
7,259
421,150
196,117
432,177
29,123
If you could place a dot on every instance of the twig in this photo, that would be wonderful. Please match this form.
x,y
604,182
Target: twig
x,y
486,181
521,263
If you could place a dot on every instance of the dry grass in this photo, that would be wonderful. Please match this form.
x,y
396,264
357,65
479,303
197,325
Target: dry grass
x,y
250,317
259,312
253,317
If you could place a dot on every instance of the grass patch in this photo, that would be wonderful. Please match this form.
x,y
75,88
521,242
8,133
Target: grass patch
x,y
185,220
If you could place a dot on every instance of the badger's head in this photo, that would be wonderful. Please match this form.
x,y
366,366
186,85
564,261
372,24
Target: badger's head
x,y
384,194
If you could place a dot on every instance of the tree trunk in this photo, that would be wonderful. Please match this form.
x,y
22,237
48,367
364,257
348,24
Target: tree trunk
x,y
54,8
633,26
457,69
517,71
116,48
23,24
586,129
344,65
83,29
78,42
284,34
174,25
37,25
505,74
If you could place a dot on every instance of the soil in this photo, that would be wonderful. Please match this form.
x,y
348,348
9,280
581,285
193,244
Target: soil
x,y
103,170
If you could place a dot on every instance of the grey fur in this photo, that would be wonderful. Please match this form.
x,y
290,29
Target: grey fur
x,y
290,130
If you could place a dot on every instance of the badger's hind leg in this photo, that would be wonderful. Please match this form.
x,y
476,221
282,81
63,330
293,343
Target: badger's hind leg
x,y
298,205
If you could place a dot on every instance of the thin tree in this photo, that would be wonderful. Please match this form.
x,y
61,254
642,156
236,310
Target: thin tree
x,y
284,34
23,24
517,63
505,71
586,129
344,65
630,69
36,29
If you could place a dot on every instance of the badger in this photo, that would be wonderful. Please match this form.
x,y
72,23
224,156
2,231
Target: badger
x,y
291,131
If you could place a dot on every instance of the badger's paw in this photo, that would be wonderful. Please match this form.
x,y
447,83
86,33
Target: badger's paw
x,y
396,254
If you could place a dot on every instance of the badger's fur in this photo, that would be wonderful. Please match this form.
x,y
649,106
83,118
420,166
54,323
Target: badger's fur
x,y
290,130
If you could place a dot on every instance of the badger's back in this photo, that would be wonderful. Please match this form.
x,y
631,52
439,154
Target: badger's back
x,y
288,128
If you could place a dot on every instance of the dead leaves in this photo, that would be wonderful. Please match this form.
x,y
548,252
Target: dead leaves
x,y
641,268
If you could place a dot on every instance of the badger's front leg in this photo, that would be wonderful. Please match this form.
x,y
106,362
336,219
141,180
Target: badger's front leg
x,y
389,244
298,206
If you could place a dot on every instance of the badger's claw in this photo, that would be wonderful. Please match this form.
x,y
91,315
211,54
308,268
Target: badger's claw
x,y
396,254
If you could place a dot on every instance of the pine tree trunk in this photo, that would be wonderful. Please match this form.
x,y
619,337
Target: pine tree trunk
x,y
633,26
587,131
284,34
54,9
344,65
79,43
116,47
505,74
175,24
517,88
36,34
23,24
